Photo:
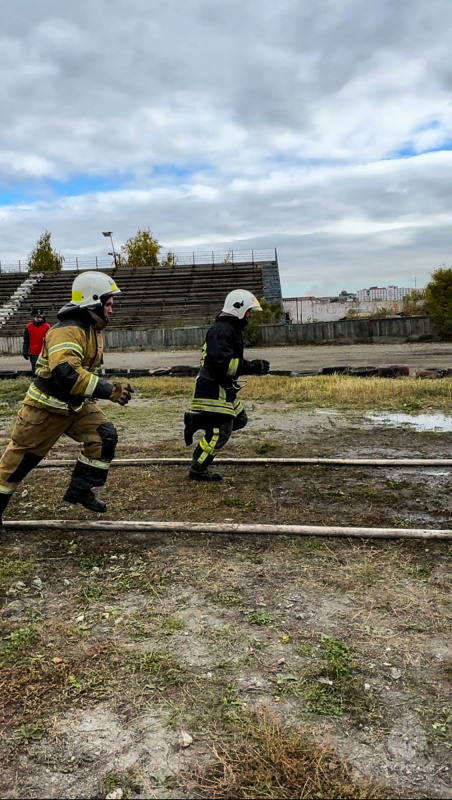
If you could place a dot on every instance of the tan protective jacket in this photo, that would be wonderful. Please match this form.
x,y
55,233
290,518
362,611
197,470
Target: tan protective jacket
x,y
67,369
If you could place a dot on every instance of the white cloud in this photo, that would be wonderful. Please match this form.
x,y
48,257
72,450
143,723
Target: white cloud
x,y
222,123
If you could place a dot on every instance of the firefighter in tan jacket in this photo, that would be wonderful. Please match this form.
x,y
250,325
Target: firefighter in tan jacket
x,y
61,398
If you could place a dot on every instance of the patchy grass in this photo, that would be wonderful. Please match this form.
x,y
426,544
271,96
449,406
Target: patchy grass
x,y
171,625
164,670
12,393
338,656
128,781
14,569
259,617
421,572
227,596
35,684
308,627
21,640
117,580
28,733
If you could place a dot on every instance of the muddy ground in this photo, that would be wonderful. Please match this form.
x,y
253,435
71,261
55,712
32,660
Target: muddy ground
x,y
117,651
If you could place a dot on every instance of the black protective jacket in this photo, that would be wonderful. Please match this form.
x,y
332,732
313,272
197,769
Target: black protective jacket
x,y
222,363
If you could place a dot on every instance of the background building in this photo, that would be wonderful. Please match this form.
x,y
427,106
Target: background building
x,y
384,293
364,303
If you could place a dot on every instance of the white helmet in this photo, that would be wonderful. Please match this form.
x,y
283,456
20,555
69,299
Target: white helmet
x,y
89,288
240,301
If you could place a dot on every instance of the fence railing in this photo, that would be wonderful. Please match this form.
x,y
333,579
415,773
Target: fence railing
x,y
182,259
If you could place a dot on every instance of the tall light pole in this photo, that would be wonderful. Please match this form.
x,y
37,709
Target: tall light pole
x,y
110,234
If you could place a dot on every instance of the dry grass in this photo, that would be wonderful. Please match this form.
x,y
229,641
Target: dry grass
x,y
322,391
325,391
263,759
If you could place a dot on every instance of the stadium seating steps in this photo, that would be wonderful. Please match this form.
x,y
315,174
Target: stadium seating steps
x,y
153,297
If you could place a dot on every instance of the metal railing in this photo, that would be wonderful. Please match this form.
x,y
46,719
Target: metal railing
x,y
76,262
224,257
182,259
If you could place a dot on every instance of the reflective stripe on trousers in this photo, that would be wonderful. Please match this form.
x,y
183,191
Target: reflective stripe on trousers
x,y
218,432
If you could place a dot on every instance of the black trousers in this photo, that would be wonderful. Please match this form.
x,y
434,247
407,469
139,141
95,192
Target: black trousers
x,y
33,360
218,430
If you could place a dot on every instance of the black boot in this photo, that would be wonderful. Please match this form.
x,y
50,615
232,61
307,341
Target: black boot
x,y
193,421
4,500
197,474
86,498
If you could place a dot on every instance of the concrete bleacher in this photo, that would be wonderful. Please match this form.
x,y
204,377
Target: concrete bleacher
x,y
9,282
151,297
52,291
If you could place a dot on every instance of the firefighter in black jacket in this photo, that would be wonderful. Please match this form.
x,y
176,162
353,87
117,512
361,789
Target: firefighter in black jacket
x,y
215,407
61,398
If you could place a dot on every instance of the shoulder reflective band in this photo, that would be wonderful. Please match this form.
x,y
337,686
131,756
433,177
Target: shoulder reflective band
x,y
66,346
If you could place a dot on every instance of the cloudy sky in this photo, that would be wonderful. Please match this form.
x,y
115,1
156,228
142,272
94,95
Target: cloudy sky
x,y
323,129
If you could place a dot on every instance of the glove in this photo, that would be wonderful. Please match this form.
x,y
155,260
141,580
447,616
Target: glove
x,y
121,393
25,356
259,366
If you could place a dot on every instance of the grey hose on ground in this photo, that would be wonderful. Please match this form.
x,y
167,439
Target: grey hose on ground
x,y
147,526
334,462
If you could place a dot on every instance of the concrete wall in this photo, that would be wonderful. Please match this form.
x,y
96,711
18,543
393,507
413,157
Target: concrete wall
x,y
11,345
318,309
156,338
396,329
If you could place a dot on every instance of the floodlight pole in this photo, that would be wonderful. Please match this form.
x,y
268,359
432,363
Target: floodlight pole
x,y
110,234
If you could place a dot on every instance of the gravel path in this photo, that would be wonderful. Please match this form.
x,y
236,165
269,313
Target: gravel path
x,y
425,354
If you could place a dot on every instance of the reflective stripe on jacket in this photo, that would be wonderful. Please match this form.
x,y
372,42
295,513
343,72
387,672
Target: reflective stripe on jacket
x,y
221,363
66,369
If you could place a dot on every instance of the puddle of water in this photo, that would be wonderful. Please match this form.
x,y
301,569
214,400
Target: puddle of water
x,y
421,422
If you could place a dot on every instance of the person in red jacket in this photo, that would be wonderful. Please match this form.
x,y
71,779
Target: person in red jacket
x,y
34,335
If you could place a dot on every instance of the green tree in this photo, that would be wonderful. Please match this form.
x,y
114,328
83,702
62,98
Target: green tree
x,y
271,312
44,258
141,250
438,293
438,301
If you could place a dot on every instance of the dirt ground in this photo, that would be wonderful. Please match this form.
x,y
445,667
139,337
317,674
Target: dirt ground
x,y
415,354
129,660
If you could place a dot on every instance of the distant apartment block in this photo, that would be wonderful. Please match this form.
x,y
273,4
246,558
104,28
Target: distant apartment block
x,y
385,293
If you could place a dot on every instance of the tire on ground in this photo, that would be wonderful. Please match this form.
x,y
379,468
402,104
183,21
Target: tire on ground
x,y
334,370
393,370
363,372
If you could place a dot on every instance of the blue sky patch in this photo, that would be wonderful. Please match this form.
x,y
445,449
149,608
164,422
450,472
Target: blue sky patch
x,y
8,198
410,151
433,125
36,191
289,160
179,171
77,185
84,184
